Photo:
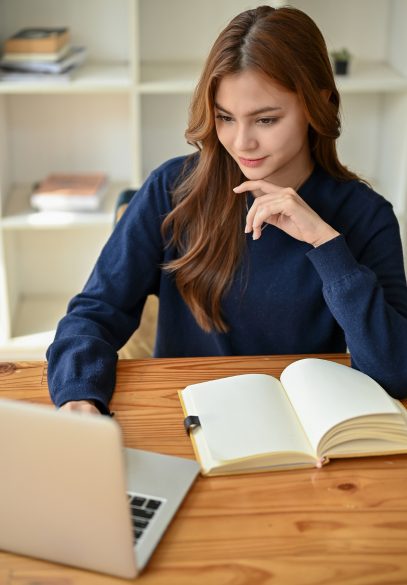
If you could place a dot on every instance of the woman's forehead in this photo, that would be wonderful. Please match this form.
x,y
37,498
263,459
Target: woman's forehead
x,y
250,92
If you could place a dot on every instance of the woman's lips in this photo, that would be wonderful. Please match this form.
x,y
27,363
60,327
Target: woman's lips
x,y
251,162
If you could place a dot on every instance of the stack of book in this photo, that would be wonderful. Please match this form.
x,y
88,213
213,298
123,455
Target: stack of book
x,y
70,192
40,54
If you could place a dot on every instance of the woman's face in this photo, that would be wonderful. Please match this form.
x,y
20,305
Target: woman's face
x,y
263,127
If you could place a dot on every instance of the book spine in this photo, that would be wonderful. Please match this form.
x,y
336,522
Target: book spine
x,y
49,44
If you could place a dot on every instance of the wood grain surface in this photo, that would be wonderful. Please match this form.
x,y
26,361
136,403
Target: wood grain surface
x,y
345,524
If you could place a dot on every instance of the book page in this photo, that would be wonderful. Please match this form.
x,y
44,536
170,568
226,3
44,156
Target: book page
x,y
325,393
243,416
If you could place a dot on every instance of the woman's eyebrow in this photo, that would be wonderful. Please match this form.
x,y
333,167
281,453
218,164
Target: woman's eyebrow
x,y
254,113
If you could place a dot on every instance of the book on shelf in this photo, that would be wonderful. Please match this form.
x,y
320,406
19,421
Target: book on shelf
x,y
318,410
36,57
31,77
70,192
37,40
74,57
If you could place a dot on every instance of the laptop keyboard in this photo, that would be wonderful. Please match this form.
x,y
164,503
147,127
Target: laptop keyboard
x,y
143,510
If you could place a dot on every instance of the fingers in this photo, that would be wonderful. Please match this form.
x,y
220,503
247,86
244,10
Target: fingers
x,y
85,406
259,217
266,209
261,210
284,208
259,185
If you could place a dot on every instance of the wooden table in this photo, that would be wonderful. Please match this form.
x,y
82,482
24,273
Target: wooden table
x,y
345,524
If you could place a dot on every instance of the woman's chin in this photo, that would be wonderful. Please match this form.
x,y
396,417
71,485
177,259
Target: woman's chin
x,y
254,174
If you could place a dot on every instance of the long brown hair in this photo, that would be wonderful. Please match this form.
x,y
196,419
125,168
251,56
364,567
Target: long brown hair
x,y
207,220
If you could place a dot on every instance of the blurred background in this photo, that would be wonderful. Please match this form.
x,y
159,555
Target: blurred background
x,y
106,96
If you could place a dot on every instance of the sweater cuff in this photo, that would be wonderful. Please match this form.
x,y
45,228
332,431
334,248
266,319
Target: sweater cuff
x,y
102,408
333,260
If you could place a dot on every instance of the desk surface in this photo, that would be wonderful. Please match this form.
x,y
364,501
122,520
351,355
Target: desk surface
x,y
345,524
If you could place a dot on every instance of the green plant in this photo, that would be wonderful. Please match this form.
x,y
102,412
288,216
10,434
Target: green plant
x,y
341,55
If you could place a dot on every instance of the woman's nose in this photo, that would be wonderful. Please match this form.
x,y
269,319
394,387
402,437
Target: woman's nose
x,y
244,139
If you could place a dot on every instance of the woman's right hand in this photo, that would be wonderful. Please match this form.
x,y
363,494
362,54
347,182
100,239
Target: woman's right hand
x,y
86,406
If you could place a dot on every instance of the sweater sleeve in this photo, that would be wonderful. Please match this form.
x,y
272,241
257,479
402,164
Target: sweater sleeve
x,y
367,296
82,359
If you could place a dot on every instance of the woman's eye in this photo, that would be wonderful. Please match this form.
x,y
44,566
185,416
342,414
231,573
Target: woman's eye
x,y
223,118
267,121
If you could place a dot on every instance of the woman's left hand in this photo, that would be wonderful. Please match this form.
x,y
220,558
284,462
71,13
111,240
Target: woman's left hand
x,y
285,209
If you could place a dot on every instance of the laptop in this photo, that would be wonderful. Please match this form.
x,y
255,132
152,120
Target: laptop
x,y
70,493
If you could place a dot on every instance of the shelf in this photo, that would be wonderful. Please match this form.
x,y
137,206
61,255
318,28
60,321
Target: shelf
x,y
34,327
371,76
89,78
19,214
182,77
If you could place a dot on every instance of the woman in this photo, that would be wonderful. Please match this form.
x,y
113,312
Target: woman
x,y
260,243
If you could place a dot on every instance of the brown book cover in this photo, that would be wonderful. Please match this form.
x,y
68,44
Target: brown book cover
x,y
70,192
37,40
71,184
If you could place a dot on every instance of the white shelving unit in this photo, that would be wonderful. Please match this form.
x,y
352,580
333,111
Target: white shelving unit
x,y
125,111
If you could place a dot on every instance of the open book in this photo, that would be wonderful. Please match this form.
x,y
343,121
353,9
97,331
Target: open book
x,y
319,410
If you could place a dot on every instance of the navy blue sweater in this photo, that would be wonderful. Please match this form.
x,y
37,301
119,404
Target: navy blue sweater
x,y
285,298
